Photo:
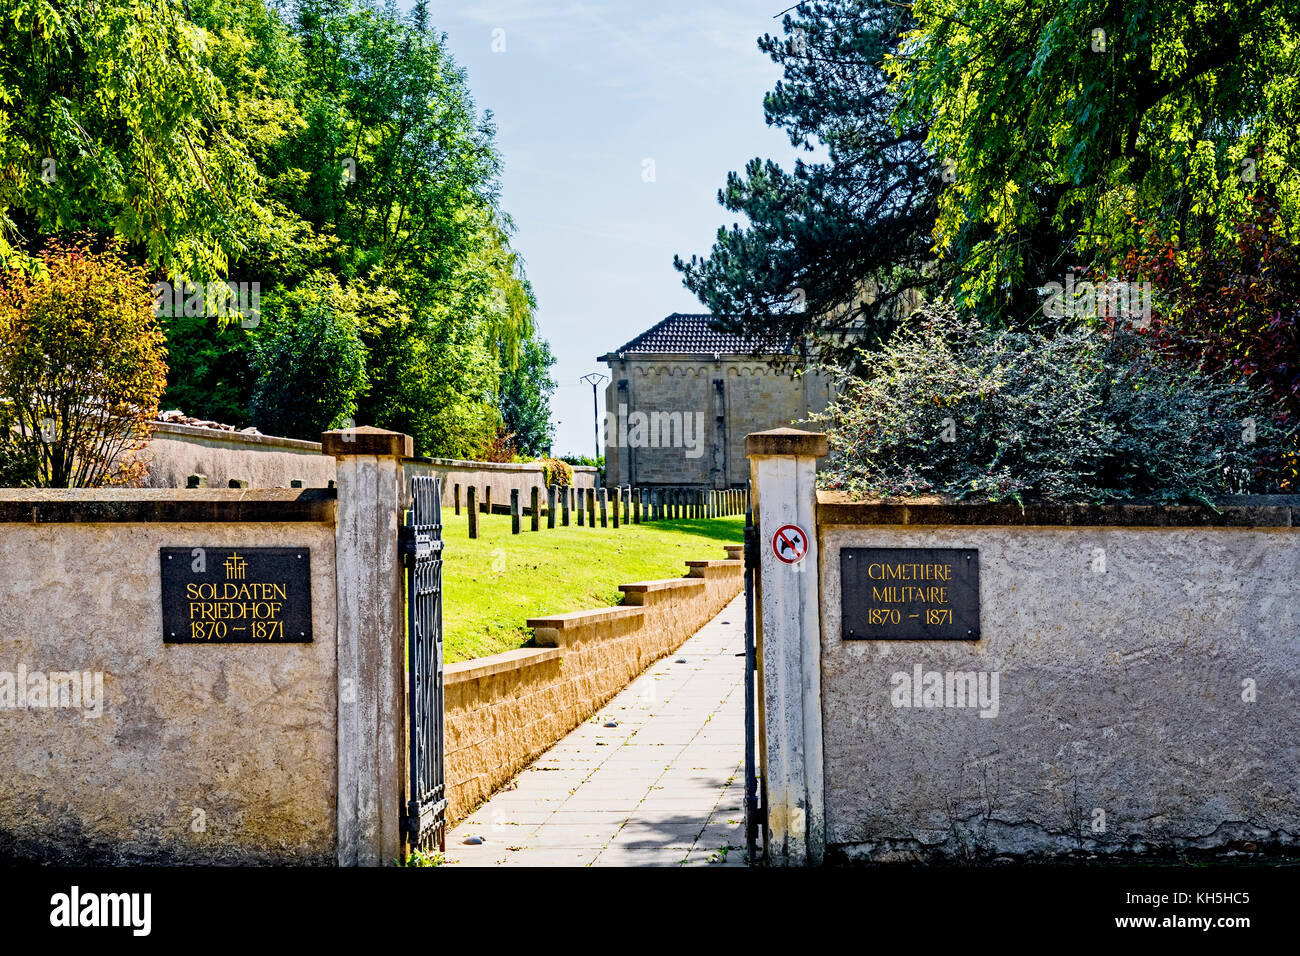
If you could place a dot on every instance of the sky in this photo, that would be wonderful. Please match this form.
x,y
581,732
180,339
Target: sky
x,y
617,123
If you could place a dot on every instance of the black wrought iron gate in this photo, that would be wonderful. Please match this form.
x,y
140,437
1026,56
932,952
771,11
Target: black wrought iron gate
x,y
755,797
426,811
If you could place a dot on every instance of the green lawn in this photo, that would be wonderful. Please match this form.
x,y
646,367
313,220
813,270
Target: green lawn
x,y
493,584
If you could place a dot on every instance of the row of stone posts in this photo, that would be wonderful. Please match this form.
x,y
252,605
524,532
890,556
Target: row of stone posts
x,y
620,505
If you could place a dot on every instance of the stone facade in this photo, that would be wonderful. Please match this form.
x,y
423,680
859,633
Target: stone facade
x,y
682,398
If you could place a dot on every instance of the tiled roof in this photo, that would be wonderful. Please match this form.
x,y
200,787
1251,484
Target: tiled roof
x,y
682,333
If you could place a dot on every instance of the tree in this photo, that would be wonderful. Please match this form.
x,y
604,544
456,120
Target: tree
x,y
1065,121
525,400
220,140
309,361
82,365
833,248
399,171
112,121
209,374
1233,312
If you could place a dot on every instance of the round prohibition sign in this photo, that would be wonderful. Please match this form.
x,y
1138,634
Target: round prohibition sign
x,y
790,543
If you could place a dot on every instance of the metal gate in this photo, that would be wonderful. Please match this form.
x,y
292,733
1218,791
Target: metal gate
x,y
426,811
755,797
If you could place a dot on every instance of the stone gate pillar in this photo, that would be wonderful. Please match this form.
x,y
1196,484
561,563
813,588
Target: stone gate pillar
x,y
371,644
783,465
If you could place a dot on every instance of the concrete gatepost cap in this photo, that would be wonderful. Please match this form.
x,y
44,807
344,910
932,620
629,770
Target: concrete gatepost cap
x,y
367,440
786,441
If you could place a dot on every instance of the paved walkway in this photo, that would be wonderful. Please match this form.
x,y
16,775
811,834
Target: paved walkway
x,y
664,786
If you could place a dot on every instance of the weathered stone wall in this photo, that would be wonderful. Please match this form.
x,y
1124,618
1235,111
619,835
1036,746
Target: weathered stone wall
x,y
500,477
221,753
264,461
177,451
1126,660
503,711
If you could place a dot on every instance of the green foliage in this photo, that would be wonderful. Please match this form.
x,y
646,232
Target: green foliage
x,y
556,471
209,374
309,362
831,248
112,120
950,407
585,461
1063,121
525,397
222,139
82,365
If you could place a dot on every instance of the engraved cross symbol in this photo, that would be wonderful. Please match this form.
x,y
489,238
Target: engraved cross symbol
x,y
235,566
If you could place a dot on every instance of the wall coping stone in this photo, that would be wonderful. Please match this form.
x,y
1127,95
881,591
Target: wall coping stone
x,y
233,437
786,441
667,584
116,505
367,440
596,615
719,563
1237,511
499,663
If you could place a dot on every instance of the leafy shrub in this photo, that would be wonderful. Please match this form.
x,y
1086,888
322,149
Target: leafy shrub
x,y
82,365
1233,310
953,408
501,448
556,472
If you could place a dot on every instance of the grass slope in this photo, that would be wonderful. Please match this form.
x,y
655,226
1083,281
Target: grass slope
x,y
494,583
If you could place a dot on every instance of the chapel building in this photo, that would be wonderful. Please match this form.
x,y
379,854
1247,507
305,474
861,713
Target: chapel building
x,y
683,396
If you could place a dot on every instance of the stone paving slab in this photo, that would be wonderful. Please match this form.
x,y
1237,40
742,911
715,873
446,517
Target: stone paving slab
x,y
663,787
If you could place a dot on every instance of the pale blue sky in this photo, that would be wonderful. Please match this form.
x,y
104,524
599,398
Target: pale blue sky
x,y
583,94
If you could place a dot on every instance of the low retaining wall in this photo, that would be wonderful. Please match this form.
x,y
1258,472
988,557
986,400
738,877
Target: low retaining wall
x,y
505,710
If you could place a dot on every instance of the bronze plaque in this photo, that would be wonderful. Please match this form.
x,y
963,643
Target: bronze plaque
x,y
910,594
236,595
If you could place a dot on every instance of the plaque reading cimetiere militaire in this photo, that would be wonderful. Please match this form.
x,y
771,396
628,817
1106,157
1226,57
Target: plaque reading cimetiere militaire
x,y
236,595
910,594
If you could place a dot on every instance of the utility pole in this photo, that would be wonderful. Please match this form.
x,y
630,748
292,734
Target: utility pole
x,y
594,379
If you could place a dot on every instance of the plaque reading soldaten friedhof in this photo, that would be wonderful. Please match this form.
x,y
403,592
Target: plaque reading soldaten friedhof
x,y
236,595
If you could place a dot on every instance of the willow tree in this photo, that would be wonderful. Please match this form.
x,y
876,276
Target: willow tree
x,y
113,121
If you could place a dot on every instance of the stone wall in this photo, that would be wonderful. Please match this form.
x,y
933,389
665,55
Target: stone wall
x,y
222,753
177,451
501,477
264,461
505,710
1147,674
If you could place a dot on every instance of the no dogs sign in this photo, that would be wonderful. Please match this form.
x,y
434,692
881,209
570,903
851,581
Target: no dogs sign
x,y
790,543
